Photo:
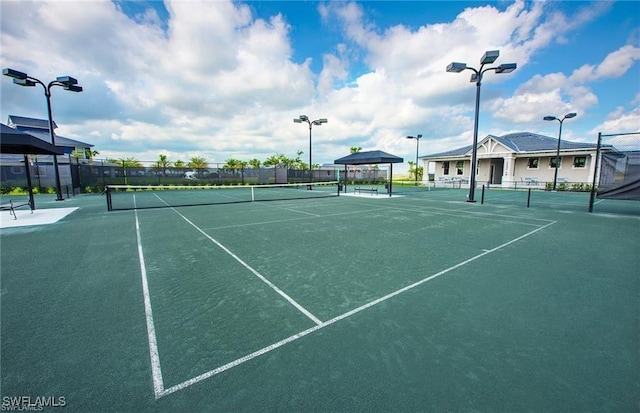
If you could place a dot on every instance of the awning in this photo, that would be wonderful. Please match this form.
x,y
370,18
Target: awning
x,y
17,142
371,158
368,158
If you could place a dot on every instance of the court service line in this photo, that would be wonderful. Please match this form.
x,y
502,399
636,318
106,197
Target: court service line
x,y
370,304
253,271
279,221
156,371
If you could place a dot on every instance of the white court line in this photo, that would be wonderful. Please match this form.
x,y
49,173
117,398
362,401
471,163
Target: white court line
x,y
250,268
156,371
295,337
279,221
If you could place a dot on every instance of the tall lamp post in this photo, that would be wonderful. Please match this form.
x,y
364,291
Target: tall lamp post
x,y
417,138
66,82
311,123
567,116
476,77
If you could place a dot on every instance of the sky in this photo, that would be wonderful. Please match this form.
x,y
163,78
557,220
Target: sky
x,y
221,79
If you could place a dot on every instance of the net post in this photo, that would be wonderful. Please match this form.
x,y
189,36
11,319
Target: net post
x,y
529,198
482,197
595,173
108,193
253,195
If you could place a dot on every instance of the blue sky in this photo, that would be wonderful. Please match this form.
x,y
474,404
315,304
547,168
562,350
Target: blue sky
x,y
224,80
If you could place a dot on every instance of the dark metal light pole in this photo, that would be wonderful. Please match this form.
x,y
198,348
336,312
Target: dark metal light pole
x,y
417,138
317,122
455,67
66,82
567,116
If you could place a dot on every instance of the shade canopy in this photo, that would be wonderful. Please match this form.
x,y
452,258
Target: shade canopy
x,y
368,158
16,142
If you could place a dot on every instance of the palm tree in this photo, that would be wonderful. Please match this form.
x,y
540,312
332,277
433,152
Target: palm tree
x,y
198,163
255,163
162,164
353,149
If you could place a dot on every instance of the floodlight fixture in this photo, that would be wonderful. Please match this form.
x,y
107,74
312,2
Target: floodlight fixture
x,y
311,123
67,80
14,73
506,68
24,82
489,57
68,83
567,116
73,88
456,67
415,172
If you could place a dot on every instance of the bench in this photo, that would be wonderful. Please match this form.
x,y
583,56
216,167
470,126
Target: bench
x,y
360,190
11,207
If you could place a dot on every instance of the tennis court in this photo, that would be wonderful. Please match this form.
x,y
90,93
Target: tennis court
x,y
420,302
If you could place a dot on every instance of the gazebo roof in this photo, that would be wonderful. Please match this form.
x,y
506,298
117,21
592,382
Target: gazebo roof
x,y
17,142
368,158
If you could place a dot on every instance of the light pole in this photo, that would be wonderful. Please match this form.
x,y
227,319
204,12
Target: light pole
x,y
415,171
455,67
567,116
66,82
317,122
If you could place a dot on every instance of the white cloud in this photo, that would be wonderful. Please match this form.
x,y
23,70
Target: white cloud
x,y
220,82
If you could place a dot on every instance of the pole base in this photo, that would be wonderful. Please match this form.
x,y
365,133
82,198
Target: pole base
x,y
473,201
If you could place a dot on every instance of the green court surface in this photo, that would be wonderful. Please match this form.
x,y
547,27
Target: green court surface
x,y
420,302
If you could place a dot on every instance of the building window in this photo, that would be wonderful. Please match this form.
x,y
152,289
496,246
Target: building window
x,y
17,170
579,161
532,163
460,167
552,163
445,168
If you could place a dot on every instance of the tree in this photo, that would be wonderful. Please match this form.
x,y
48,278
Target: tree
x,y
126,162
255,163
413,170
352,150
162,164
198,163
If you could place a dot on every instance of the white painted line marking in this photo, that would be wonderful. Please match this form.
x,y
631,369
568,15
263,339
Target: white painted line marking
x,y
294,337
254,271
156,371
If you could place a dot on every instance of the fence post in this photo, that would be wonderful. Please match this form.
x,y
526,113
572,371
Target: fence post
x,y
595,173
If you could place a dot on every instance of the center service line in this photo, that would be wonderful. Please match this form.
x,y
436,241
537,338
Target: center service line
x,y
156,371
294,337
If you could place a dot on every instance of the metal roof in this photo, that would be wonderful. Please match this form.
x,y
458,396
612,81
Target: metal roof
x,y
520,142
369,157
16,142
21,121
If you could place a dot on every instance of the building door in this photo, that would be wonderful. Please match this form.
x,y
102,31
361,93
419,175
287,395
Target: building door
x,y
497,169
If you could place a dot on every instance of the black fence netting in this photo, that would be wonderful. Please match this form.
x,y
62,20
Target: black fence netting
x,y
619,176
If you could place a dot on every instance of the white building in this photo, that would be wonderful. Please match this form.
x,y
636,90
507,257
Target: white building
x,y
516,159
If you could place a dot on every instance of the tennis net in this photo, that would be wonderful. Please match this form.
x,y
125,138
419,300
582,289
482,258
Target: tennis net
x,y
123,197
